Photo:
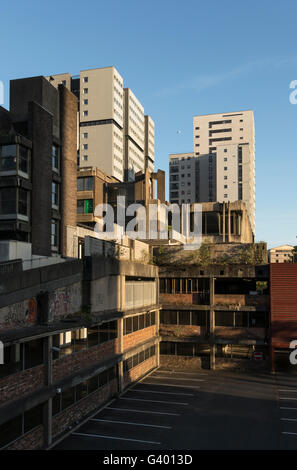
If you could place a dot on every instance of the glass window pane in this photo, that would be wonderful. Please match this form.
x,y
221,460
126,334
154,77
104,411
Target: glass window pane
x,y
93,384
93,337
80,206
81,390
80,184
8,157
68,397
184,349
169,317
11,364
23,159
23,201
33,417
141,321
10,430
80,339
128,325
167,348
199,318
56,406
141,357
33,353
241,319
55,157
184,318
257,320
135,323
89,183
103,378
224,318
8,201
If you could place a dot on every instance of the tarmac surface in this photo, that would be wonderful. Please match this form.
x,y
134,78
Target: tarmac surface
x,y
196,410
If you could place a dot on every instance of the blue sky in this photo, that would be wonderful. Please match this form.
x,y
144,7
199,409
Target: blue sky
x,y
180,59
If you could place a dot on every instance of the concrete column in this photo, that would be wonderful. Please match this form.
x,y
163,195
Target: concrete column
x,y
229,223
272,360
121,293
157,315
68,130
48,380
212,324
224,222
120,351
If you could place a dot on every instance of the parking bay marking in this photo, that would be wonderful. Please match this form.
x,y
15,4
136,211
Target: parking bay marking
x,y
163,393
142,411
154,401
170,385
110,437
176,378
134,424
178,372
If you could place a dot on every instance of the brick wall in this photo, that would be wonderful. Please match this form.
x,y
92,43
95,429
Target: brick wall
x,y
229,332
80,410
68,107
182,330
177,299
181,362
283,301
20,384
66,365
33,440
140,370
133,339
241,299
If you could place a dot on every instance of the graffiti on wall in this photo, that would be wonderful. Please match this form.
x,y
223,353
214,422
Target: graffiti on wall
x,y
19,314
65,301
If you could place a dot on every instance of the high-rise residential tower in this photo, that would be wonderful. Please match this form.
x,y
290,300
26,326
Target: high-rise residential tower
x,y
149,143
133,135
111,122
222,166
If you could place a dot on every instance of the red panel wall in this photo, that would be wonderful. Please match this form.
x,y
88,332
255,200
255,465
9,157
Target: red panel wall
x,y
283,303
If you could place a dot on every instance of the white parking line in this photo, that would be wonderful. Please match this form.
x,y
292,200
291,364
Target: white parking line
x,y
142,411
294,433
288,419
180,372
134,424
177,372
154,401
110,437
287,398
176,378
163,393
286,408
170,385
286,390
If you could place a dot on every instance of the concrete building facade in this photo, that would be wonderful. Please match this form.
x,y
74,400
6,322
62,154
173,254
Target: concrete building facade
x,y
214,316
134,131
149,143
38,165
75,335
281,254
